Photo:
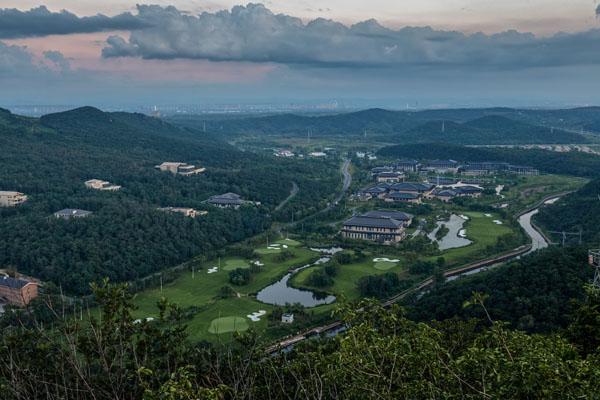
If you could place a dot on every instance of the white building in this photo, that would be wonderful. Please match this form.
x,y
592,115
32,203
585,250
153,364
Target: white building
x,y
98,184
11,199
180,168
287,318
188,212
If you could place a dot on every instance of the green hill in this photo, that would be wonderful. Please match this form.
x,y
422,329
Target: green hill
x,y
50,158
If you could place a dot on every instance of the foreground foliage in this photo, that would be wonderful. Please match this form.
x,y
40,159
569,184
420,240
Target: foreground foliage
x,y
382,355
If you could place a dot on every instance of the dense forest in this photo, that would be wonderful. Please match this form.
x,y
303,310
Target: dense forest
x,y
532,294
577,212
50,158
382,355
485,126
571,163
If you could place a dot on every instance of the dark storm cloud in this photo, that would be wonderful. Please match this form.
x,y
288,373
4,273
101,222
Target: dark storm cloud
x,y
255,34
42,22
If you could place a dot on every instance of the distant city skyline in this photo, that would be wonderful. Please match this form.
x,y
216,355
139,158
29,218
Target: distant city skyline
x,y
381,53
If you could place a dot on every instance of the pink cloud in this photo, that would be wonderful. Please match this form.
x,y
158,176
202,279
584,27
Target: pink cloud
x,y
83,53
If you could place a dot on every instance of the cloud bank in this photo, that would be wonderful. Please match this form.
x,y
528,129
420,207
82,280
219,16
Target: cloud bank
x,y
42,22
255,34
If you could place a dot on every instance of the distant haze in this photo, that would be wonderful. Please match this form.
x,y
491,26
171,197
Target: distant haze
x,y
336,53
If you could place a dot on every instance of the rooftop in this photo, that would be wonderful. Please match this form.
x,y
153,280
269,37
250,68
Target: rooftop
x,y
72,212
374,222
397,215
13,283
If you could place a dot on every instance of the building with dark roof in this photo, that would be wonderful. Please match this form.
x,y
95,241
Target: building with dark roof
x,y
412,187
69,213
390,177
523,170
229,200
442,166
376,191
18,292
403,197
377,229
397,215
407,165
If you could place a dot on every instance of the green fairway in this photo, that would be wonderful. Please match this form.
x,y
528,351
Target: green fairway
x,y
200,290
267,250
344,283
289,242
228,324
384,265
230,264
482,231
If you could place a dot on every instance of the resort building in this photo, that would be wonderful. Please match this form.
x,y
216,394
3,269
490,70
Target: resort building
x,y
287,318
442,166
407,165
69,213
11,199
180,168
188,212
98,184
403,197
412,187
18,292
390,177
523,170
229,200
397,215
377,229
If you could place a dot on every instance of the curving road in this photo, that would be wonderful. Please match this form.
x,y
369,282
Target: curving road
x,y
538,241
346,182
293,194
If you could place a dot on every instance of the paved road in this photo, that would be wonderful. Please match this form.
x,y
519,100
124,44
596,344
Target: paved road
x,y
293,194
346,182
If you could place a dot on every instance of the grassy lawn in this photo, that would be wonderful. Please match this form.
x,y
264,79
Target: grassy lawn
x,y
531,189
201,289
482,231
348,275
229,264
228,324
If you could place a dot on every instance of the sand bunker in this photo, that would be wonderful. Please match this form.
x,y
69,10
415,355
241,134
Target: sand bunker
x,y
255,316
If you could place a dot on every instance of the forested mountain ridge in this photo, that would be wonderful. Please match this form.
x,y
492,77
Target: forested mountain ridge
x,y
569,163
50,158
462,126
579,211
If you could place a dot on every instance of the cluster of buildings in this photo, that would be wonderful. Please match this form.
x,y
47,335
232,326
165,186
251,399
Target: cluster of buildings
x,y
380,226
179,168
11,199
416,192
452,167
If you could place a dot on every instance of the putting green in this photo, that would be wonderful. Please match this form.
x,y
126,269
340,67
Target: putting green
x,y
235,263
384,265
266,250
228,324
289,242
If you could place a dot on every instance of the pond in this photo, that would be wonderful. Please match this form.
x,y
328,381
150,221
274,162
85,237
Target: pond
x,y
453,239
281,294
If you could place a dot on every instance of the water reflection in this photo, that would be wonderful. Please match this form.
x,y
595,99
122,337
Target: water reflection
x,y
452,239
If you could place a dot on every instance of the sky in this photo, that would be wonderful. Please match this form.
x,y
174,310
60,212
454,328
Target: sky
x,y
391,53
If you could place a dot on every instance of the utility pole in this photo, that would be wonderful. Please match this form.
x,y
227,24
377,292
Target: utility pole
x,y
564,234
594,261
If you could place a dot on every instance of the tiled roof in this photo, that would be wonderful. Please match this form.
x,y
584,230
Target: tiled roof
x,y
374,222
12,283
397,215
72,212
412,186
403,196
